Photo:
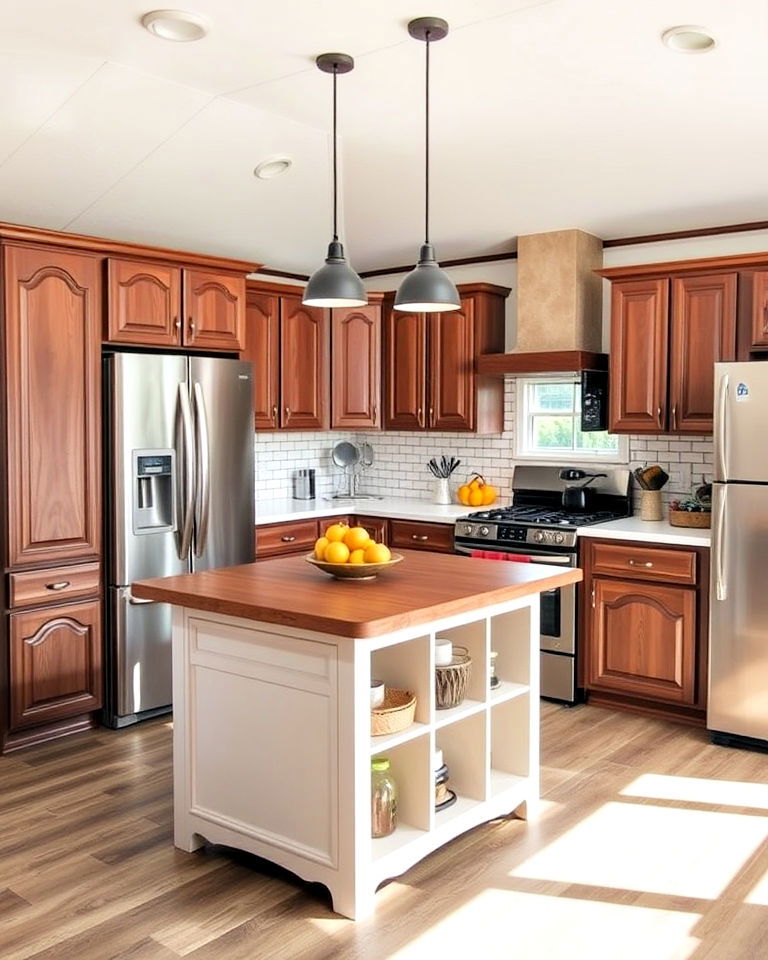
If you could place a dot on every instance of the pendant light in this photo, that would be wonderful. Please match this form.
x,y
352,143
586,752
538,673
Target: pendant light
x,y
335,284
427,288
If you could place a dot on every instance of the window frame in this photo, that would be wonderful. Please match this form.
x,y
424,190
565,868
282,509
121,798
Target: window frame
x,y
523,417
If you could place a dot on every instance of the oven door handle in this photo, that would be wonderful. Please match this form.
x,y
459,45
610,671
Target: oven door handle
x,y
535,557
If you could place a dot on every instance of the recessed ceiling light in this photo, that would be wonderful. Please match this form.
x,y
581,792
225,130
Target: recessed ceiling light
x,y
272,167
178,25
688,39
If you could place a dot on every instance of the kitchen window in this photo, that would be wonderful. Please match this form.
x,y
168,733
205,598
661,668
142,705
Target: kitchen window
x,y
549,424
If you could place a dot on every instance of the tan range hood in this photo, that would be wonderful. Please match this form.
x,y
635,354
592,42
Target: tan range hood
x,y
559,306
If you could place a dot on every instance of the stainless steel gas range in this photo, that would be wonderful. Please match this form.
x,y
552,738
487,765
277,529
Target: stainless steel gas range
x,y
538,528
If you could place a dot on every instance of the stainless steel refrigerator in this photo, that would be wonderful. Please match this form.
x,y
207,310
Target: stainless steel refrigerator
x,y
737,711
180,498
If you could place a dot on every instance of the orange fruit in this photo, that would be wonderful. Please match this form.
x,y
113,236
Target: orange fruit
x,y
476,497
489,494
475,484
320,544
357,538
463,494
336,531
377,553
357,556
336,552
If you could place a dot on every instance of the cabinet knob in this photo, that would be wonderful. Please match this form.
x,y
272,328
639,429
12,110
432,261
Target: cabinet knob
x,y
658,414
287,539
58,585
287,413
274,412
431,416
674,416
639,563
375,412
419,536
593,598
419,413
177,323
191,324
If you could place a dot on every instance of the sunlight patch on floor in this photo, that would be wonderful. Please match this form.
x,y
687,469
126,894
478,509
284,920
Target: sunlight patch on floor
x,y
724,793
759,893
507,924
686,853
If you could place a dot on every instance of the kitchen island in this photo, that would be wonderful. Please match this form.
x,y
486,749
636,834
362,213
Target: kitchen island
x,y
272,665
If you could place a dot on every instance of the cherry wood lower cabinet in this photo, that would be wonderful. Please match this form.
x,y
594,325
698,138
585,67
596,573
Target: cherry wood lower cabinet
x,y
418,535
377,527
645,626
55,663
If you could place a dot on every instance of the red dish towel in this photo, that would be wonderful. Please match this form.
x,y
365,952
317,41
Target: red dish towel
x,y
495,555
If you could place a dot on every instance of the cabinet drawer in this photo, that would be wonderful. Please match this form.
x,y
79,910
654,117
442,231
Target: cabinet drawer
x,y
415,535
283,538
644,563
54,585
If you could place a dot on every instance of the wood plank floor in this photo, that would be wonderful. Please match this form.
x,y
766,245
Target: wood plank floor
x,y
650,844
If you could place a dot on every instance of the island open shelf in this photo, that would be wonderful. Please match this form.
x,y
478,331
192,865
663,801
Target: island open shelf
x,y
272,724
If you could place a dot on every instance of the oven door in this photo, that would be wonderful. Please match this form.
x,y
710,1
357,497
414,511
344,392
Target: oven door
x,y
558,607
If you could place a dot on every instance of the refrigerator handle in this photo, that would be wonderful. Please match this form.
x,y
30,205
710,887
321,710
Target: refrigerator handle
x,y
721,574
189,472
203,504
722,411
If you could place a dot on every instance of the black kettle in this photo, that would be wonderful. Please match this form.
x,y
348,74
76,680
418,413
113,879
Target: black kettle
x,y
578,499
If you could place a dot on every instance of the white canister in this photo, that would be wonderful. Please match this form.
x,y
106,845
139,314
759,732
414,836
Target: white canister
x,y
377,693
442,491
443,652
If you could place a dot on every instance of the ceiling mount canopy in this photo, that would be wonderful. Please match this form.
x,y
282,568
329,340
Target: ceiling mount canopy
x,y
427,288
335,284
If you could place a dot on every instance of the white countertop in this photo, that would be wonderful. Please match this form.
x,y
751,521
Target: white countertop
x,y
278,511
650,531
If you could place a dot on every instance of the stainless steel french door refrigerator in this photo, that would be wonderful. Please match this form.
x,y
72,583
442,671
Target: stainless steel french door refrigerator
x,y
180,498
737,711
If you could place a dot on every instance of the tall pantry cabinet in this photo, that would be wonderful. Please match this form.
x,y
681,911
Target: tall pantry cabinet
x,y
52,491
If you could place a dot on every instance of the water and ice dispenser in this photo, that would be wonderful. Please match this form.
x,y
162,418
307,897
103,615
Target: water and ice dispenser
x,y
154,499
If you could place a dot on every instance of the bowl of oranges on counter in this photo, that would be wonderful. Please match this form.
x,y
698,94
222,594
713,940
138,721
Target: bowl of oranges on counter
x,y
476,492
349,553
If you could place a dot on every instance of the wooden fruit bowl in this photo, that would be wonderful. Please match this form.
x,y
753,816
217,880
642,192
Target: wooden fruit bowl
x,y
353,571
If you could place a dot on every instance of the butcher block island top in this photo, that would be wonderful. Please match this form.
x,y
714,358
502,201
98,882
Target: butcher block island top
x,y
290,591
272,726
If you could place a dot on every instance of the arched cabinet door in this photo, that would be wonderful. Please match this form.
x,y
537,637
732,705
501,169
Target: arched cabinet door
x,y
53,405
55,663
356,368
303,365
144,303
214,311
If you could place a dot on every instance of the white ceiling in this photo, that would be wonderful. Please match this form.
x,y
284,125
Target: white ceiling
x,y
547,114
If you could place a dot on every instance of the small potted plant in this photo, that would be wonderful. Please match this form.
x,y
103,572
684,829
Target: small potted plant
x,y
694,511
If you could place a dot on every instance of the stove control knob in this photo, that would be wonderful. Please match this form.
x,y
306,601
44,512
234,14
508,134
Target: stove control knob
x,y
467,529
484,531
539,536
559,538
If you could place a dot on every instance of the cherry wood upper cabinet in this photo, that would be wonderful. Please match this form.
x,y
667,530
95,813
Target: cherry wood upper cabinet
x,y
287,343
53,402
262,349
638,359
144,303
214,308
430,359
405,369
55,663
667,332
451,369
356,367
155,304
703,332
303,365
759,309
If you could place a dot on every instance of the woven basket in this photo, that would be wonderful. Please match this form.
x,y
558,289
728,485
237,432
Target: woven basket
x,y
395,714
452,679
690,518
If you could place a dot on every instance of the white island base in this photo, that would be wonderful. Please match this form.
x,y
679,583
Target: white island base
x,y
272,742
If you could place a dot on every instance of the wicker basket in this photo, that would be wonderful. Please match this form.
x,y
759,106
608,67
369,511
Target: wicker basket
x,y
396,713
452,679
690,518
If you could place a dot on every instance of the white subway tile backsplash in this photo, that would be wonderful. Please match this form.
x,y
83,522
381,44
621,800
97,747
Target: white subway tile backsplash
x,y
399,467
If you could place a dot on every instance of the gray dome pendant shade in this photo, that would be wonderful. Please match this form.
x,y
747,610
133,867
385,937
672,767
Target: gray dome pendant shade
x,y
335,284
427,288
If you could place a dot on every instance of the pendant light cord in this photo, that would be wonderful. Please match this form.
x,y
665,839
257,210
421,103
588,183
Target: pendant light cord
x,y
426,150
335,170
